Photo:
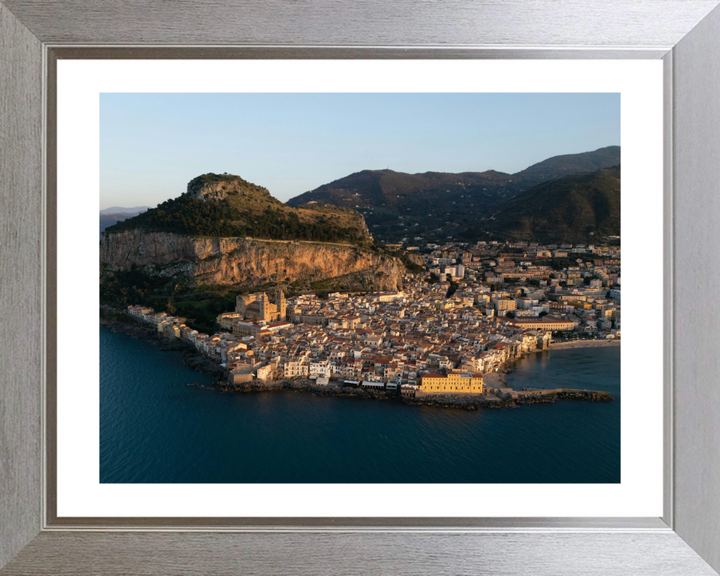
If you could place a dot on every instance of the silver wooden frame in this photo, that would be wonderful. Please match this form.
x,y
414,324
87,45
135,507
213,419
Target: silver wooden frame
x,y
35,33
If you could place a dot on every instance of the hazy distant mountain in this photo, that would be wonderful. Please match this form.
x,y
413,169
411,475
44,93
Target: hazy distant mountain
x,y
437,205
573,209
116,214
119,210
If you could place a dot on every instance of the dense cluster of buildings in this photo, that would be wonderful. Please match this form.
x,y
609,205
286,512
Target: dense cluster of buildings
x,y
474,309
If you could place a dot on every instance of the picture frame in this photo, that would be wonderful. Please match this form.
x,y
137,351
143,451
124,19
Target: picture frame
x,y
684,34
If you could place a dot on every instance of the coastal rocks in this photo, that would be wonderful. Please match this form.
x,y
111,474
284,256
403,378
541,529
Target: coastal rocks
x,y
589,395
586,395
135,330
302,386
446,402
198,362
248,262
192,359
474,402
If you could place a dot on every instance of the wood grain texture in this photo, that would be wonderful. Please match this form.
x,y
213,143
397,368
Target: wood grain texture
x,y
20,284
100,553
368,22
697,276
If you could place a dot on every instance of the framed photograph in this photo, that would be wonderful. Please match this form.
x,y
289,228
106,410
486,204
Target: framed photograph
x,y
382,306
359,289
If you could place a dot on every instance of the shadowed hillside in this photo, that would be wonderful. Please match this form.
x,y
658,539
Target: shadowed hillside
x,y
435,205
567,164
571,209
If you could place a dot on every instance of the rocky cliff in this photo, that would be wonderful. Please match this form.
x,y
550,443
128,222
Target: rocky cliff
x,y
214,187
248,262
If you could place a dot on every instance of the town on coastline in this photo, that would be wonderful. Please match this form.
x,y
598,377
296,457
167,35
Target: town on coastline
x,y
451,331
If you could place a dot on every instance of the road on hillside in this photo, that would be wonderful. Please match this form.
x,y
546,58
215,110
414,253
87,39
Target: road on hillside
x,y
301,242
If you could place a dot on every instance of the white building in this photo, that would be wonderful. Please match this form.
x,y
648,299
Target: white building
x,y
320,368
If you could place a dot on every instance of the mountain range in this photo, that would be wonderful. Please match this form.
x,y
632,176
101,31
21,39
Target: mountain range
x,y
224,235
436,206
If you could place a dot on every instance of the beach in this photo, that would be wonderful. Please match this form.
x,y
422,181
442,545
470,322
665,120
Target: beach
x,y
494,380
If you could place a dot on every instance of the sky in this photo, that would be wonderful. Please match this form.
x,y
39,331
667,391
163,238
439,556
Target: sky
x,y
152,145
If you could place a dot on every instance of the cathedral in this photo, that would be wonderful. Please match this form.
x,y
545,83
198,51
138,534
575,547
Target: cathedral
x,y
258,307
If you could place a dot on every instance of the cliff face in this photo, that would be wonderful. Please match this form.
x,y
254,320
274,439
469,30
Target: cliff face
x,y
246,262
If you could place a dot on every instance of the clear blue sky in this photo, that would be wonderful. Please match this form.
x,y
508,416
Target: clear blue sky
x,y
152,145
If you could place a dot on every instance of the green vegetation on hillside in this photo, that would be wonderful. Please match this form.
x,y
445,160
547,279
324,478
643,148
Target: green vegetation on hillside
x,y
187,215
244,209
559,166
435,206
123,288
571,209
200,305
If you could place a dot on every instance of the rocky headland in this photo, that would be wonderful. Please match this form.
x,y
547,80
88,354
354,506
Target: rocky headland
x,y
225,231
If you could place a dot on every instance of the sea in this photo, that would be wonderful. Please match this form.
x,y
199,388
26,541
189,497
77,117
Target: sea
x,y
157,426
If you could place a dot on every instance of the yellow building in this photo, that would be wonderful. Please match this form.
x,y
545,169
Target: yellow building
x,y
453,383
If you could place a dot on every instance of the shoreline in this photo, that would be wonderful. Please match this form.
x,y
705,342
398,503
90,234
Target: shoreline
x,y
583,344
191,357
455,401
495,379
573,345
196,361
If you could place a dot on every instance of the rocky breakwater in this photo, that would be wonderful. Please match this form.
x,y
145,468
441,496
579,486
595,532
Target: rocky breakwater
x,y
248,262
550,396
508,398
589,395
462,401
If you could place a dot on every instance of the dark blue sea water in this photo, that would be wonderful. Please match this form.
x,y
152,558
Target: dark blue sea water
x,y
156,428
